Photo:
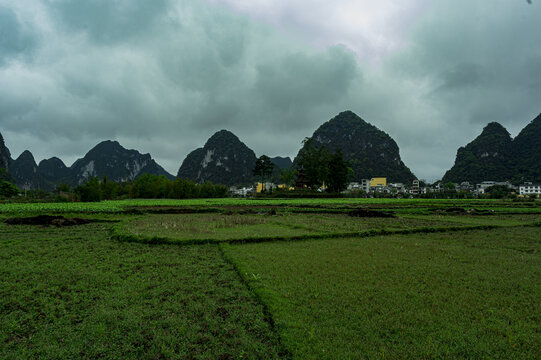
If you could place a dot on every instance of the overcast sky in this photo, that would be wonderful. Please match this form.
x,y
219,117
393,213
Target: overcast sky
x,y
162,76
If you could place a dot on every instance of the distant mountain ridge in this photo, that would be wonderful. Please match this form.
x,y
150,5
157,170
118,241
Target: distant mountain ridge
x,y
108,158
282,162
370,151
24,171
5,156
224,159
54,170
495,156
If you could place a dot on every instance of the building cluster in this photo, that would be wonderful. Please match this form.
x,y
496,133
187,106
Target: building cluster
x,y
257,188
379,185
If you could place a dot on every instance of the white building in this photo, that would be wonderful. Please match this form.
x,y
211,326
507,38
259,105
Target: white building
x,y
364,185
415,187
245,191
398,187
529,188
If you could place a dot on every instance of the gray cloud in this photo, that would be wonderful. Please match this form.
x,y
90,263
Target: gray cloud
x,y
163,76
462,76
108,21
15,40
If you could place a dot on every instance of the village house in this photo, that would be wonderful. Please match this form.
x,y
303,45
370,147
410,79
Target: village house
x,y
529,189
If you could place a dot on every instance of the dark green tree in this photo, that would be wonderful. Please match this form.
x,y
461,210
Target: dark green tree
x,y
450,186
63,187
108,189
288,176
263,168
498,191
339,172
314,160
89,191
322,167
7,189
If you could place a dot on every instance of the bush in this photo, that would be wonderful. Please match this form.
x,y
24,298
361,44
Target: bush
x,y
7,189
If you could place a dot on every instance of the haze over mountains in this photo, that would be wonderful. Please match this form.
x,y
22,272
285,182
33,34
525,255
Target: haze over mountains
x,y
225,159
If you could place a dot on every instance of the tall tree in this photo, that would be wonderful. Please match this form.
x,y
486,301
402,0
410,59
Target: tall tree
x,y
287,176
314,160
263,167
339,172
322,167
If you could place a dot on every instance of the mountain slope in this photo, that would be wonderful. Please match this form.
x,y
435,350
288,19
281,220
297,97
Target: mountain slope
x,y
54,170
527,152
24,171
223,160
110,159
282,162
493,155
487,157
5,156
370,151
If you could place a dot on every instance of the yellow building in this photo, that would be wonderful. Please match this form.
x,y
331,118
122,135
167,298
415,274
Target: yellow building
x,y
285,187
268,186
378,181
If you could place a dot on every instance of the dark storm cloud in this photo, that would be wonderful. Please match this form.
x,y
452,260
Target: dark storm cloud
x,y
462,76
162,76
467,63
301,80
108,21
15,40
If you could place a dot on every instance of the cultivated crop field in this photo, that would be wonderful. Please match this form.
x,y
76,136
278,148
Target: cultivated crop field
x,y
259,279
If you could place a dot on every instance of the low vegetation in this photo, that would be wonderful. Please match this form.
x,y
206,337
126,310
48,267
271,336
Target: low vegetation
x,y
462,295
281,225
207,279
72,293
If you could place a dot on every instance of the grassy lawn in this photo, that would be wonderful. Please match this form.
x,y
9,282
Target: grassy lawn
x,y
407,205
73,293
185,227
496,219
462,295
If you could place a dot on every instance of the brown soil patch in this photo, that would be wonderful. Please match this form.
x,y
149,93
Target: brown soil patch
x,y
47,220
363,212
461,211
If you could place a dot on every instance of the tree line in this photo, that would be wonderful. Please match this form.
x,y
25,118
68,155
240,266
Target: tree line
x,y
316,167
146,186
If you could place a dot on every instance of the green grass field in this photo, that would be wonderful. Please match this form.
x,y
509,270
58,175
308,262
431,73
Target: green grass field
x,y
73,293
220,227
258,279
461,295
408,205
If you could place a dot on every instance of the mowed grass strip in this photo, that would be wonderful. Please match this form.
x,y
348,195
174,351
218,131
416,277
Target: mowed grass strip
x,y
494,219
113,206
72,293
221,227
461,295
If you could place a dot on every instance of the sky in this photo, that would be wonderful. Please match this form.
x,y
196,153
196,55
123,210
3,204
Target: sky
x,y
162,76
